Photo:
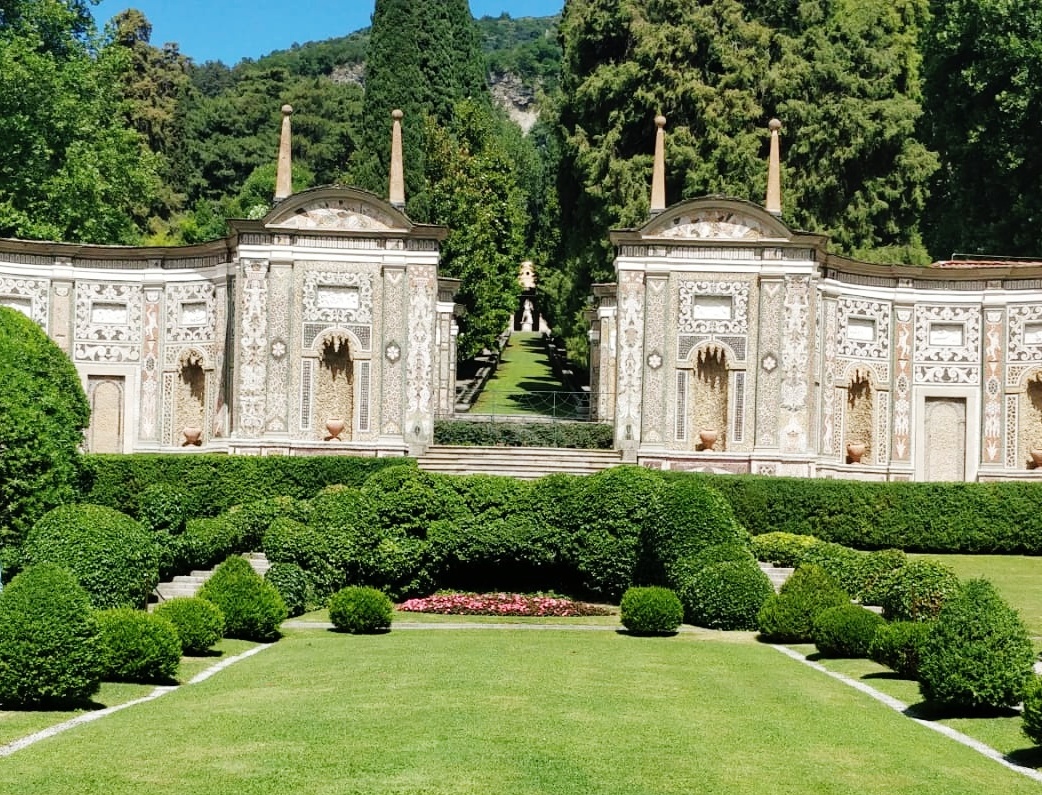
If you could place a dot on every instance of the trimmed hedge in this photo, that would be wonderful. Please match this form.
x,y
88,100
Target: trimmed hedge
x,y
361,610
651,610
293,586
725,595
999,518
137,646
111,555
788,616
580,435
217,482
978,653
896,645
846,631
199,623
1032,713
917,591
49,652
252,608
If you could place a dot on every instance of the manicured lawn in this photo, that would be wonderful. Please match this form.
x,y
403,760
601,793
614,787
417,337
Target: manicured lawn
x,y
15,724
505,711
524,383
1017,577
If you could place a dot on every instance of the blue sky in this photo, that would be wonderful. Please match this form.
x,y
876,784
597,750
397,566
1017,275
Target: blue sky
x,y
230,30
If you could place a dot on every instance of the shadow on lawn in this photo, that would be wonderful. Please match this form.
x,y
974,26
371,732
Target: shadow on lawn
x,y
932,711
1026,757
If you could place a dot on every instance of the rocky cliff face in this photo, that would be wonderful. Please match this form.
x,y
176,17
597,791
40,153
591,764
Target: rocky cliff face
x,y
517,99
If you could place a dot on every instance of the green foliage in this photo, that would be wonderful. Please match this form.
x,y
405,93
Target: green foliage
x,y
407,500
206,542
650,610
788,616
841,563
978,653
897,646
320,555
218,482
199,623
112,556
916,517
49,651
1032,712
846,631
782,549
873,570
252,608
137,646
70,167
293,586
165,508
41,425
616,508
725,595
361,610
578,435
917,591
251,520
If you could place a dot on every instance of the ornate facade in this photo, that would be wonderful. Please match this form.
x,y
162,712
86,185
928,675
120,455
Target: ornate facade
x,y
322,327
730,343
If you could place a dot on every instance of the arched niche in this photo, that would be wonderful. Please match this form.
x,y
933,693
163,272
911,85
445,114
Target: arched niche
x,y
333,406
709,397
859,417
190,388
1030,420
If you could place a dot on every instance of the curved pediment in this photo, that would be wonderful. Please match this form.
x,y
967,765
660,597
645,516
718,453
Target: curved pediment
x,y
334,209
716,219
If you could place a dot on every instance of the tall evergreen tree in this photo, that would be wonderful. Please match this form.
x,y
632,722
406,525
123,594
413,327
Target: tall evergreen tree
x,y
983,72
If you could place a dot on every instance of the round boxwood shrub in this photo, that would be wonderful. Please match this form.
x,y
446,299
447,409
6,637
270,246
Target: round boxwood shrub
x,y
916,591
896,645
406,499
293,586
44,412
788,616
163,508
651,610
1032,713
361,610
199,623
111,555
252,608
137,646
49,653
726,595
873,570
319,554
978,653
846,631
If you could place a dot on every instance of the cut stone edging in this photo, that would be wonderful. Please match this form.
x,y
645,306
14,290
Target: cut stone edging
x,y
87,717
899,706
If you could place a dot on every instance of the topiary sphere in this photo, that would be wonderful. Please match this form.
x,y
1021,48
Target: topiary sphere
x,y
788,616
199,623
137,646
361,610
44,412
726,595
292,584
252,608
846,631
112,556
897,646
1032,713
651,611
916,591
49,652
977,653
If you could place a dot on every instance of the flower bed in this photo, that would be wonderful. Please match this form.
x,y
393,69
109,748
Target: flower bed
x,y
501,604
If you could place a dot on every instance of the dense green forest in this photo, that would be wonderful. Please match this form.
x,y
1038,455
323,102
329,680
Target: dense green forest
x,y
909,128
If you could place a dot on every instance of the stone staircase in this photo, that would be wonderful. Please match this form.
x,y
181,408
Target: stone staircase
x,y
776,574
527,463
189,584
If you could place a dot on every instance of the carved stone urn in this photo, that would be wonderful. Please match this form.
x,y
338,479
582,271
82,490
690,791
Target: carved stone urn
x,y
708,437
855,450
335,428
1036,457
193,435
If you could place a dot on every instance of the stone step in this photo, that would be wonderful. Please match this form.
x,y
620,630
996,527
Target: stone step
x,y
776,574
189,584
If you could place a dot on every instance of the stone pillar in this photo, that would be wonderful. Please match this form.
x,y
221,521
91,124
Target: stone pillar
x,y
768,381
902,424
280,295
796,366
395,337
655,387
284,169
419,383
630,371
251,371
151,365
994,376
